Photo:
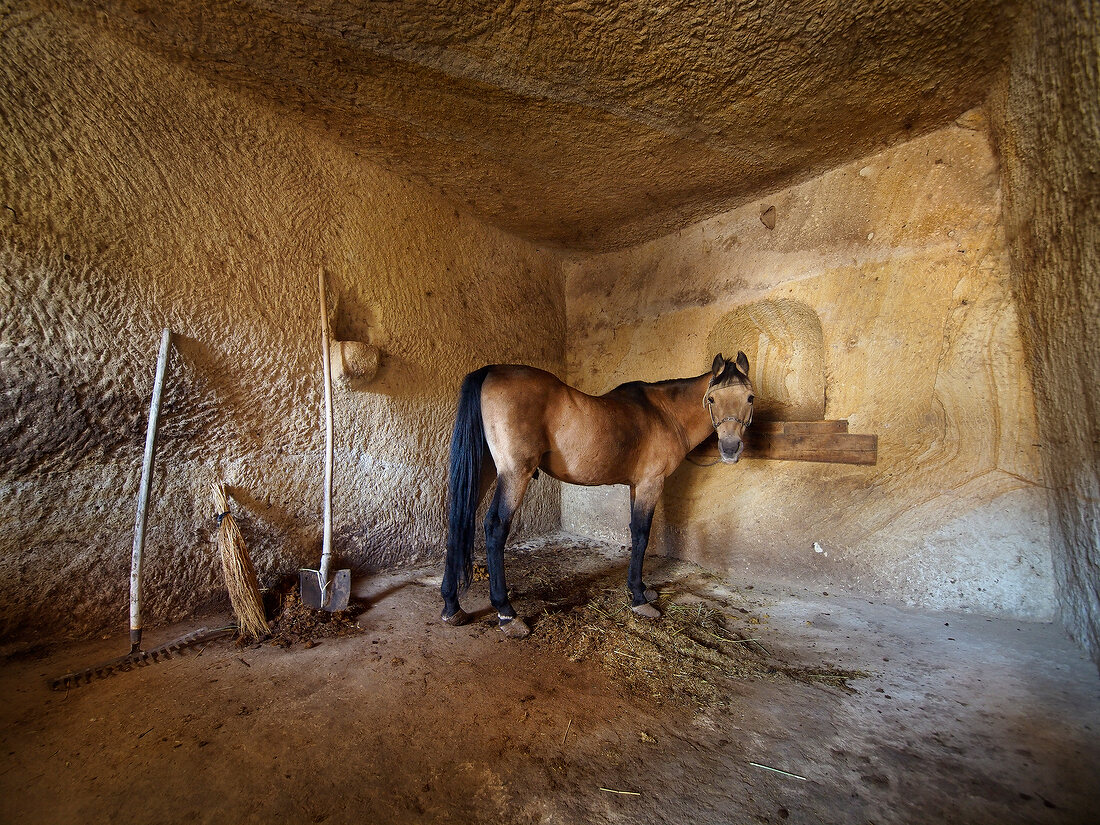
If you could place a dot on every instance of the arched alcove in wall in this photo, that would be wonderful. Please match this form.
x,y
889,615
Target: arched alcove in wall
x,y
784,344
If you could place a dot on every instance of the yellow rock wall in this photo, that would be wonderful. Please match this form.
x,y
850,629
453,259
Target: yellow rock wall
x,y
154,173
137,194
595,123
882,296
1046,113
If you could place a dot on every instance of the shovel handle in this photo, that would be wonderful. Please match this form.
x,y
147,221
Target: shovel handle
x,y
143,492
326,540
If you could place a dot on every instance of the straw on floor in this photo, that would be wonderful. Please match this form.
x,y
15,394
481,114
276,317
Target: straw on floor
x,y
240,575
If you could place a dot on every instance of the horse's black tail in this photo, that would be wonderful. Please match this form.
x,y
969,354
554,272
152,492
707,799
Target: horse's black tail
x,y
467,450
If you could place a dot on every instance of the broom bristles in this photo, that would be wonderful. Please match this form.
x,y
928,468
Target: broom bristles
x,y
240,575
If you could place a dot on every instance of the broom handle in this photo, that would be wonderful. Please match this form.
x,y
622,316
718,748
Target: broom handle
x,y
326,541
143,494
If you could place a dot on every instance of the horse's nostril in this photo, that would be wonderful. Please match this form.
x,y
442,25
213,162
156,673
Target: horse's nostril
x,y
731,449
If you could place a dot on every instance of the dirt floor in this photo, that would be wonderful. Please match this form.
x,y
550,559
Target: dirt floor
x,y
872,712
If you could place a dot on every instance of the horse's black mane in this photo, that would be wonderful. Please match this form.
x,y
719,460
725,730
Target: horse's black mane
x,y
636,389
640,384
730,374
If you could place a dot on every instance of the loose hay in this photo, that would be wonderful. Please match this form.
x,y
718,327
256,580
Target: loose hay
x,y
689,655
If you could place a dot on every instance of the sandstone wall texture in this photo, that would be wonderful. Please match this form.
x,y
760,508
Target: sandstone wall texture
x,y
138,194
1047,118
883,296
595,123
192,165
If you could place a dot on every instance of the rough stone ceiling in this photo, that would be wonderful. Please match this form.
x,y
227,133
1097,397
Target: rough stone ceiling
x,y
592,124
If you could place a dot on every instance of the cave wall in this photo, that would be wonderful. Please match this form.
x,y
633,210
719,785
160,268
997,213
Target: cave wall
x,y
1046,114
144,184
139,194
882,296
595,123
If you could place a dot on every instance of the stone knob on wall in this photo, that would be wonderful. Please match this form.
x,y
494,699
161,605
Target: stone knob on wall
x,y
353,361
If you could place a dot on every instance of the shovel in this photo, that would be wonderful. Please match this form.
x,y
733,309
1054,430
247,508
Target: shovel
x,y
322,589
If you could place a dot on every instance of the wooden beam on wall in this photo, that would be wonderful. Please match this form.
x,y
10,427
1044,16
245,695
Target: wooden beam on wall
x,y
824,441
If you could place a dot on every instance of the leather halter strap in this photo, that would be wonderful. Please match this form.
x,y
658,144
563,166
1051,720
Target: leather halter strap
x,y
734,418
717,423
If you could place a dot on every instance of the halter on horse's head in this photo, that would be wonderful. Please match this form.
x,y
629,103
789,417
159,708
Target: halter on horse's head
x,y
729,398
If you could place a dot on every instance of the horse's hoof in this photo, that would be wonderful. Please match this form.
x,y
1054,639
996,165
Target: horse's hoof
x,y
515,628
651,594
456,619
646,611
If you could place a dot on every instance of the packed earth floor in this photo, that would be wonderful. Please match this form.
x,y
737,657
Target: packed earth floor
x,y
748,703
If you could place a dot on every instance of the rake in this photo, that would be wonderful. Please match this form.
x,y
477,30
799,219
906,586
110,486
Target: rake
x,y
138,657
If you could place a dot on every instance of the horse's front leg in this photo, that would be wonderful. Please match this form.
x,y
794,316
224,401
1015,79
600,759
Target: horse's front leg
x,y
498,521
643,501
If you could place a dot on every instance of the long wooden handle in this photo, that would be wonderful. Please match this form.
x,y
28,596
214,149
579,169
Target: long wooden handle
x,y
326,541
143,493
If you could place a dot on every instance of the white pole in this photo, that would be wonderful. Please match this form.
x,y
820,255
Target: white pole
x,y
143,494
326,541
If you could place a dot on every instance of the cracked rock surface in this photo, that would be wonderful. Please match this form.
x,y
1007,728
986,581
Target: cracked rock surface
x,y
593,123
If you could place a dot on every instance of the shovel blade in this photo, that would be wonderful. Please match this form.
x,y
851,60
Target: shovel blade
x,y
313,594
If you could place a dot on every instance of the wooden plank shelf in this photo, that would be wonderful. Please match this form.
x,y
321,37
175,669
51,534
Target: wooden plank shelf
x,y
824,441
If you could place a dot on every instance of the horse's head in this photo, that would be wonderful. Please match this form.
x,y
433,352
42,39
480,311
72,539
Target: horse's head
x,y
729,399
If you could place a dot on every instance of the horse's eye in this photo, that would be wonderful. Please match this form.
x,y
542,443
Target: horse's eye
x,y
752,398
710,399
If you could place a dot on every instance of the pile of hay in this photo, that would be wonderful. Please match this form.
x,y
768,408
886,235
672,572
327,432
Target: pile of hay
x,y
690,655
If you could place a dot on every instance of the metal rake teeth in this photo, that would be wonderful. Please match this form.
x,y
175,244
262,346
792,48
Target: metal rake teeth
x,y
141,658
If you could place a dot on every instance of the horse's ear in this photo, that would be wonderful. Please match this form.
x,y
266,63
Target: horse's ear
x,y
719,363
742,363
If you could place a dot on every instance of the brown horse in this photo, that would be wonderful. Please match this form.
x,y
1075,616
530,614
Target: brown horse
x,y
524,420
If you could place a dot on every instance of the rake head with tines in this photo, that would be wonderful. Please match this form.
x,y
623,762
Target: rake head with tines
x,y
139,658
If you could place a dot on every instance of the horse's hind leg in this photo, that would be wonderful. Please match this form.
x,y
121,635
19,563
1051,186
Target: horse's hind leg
x,y
453,614
511,487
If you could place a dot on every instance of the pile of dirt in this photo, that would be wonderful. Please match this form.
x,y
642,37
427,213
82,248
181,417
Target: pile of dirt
x,y
689,655
294,623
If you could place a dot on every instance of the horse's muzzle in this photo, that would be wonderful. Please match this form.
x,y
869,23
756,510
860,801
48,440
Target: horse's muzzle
x,y
730,449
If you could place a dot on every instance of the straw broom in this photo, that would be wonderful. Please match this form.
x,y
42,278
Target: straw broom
x,y
240,575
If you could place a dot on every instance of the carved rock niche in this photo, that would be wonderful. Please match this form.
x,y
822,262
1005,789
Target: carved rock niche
x,y
785,346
